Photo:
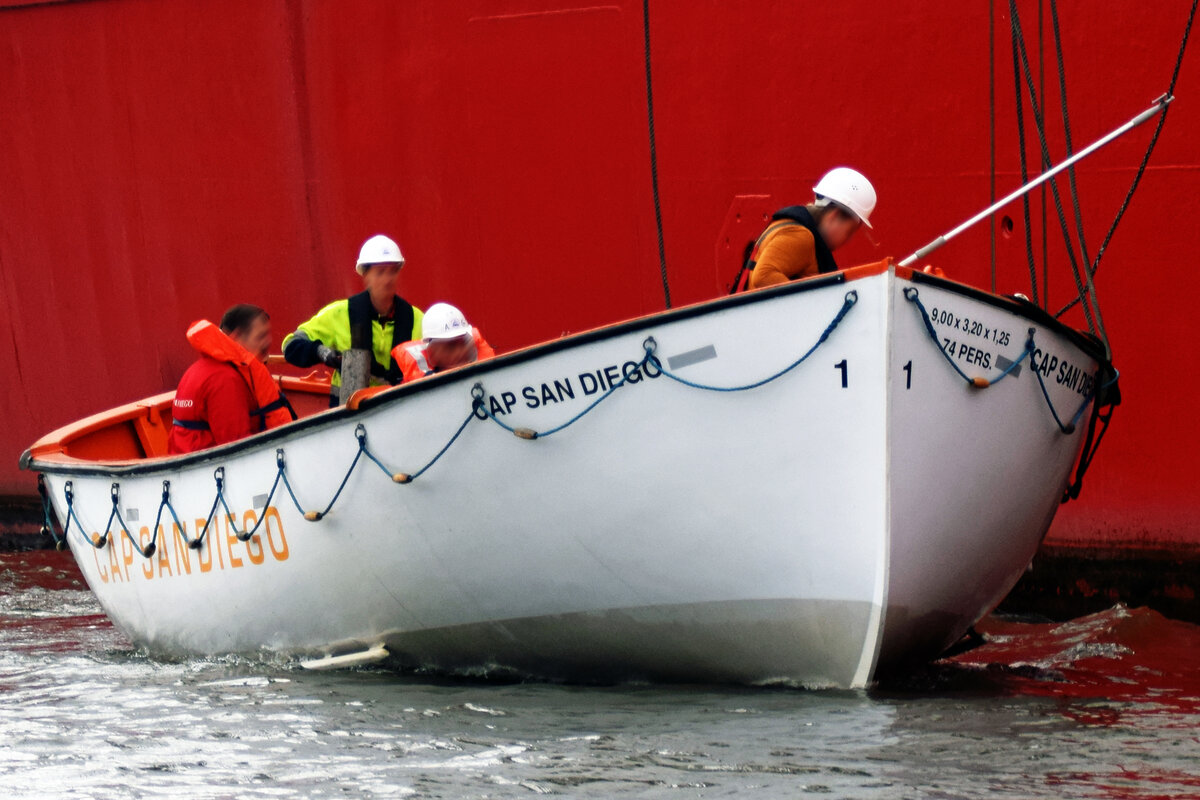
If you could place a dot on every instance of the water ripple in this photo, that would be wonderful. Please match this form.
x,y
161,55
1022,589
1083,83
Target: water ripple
x,y
1041,711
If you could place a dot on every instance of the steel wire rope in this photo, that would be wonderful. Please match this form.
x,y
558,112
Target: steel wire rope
x,y
1094,320
1137,178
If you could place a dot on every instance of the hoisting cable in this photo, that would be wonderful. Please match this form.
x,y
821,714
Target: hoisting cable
x,y
1092,308
1033,281
662,253
1187,30
992,129
1062,91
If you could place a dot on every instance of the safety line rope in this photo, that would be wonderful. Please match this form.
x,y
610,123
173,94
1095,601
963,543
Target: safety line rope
x,y
848,302
913,296
650,361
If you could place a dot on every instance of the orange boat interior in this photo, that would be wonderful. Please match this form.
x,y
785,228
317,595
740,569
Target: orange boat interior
x,y
139,430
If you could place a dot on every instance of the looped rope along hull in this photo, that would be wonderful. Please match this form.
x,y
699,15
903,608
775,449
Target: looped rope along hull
x,y
98,541
650,359
530,434
912,295
165,503
849,301
504,506
650,364
115,494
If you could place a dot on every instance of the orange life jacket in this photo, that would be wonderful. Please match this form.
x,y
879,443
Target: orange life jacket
x,y
273,408
410,356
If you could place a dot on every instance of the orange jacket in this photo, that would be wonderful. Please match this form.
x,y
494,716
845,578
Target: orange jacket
x,y
410,356
272,408
785,254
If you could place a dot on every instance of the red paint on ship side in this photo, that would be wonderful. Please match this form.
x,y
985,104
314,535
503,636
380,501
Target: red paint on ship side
x,y
159,161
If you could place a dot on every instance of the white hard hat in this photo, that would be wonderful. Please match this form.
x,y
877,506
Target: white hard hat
x,y
379,249
444,321
850,189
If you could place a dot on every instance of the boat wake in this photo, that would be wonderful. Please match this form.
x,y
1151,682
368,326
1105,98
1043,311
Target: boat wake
x,y
1124,655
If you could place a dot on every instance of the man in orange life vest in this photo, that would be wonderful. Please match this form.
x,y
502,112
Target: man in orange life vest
x,y
800,240
447,341
228,393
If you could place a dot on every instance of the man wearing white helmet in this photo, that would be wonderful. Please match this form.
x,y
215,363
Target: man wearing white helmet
x,y
800,240
375,319
447,341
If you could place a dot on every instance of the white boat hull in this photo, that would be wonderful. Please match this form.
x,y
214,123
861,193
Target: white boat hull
x,y
853,514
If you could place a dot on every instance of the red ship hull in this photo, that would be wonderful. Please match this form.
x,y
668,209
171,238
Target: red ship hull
x,y
160,161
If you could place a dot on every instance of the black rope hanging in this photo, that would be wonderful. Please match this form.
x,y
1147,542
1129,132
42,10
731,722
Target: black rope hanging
x,y
662,253
1033,278
1083,284
1137,178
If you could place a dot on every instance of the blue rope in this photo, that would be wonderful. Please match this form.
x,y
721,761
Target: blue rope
x,y
361,434
246,535
288,485
441,452
166,503
913,296
651,360
847,304
313,516
219,475
115,494
69,494
1070,426
477,393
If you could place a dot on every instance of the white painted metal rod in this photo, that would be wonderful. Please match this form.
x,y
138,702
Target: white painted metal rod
x,y
1159,106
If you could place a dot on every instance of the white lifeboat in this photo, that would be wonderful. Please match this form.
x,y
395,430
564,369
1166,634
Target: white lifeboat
x,y
807,484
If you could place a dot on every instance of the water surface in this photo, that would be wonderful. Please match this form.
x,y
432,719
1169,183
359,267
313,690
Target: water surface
x,y
1106,706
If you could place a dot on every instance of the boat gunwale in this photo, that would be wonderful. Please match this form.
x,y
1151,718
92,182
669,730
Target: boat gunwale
x,y
63,464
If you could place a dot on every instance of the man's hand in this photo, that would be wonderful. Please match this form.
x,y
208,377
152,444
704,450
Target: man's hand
x,y
329,357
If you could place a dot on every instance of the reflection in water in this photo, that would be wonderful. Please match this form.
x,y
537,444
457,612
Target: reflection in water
x,y
1104,706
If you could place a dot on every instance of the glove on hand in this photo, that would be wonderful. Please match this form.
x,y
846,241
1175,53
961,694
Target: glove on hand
x,y
329,357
